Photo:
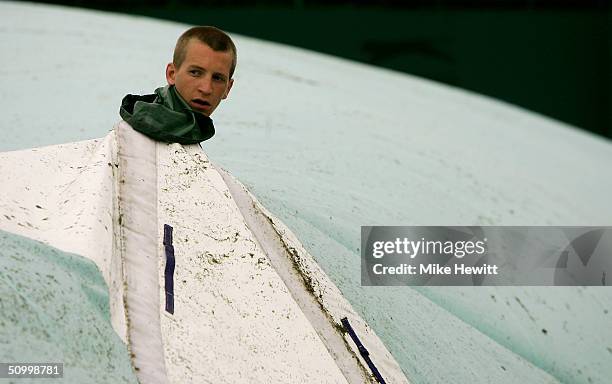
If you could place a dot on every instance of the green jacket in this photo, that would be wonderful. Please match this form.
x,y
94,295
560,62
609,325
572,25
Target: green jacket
x,y
165,116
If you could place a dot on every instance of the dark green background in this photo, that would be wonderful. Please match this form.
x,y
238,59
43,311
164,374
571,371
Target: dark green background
x,y
551,57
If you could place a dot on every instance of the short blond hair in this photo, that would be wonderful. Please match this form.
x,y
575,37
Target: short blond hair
x,y
215,38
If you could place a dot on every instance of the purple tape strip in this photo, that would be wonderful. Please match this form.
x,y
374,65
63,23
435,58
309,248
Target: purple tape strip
x,y
169,271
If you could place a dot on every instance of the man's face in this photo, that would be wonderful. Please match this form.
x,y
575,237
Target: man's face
x,y
202,80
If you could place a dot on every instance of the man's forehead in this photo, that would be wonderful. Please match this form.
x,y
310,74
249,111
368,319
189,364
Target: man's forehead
x,y
202,55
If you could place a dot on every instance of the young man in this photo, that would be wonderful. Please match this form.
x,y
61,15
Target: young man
x,y
199,77
202,67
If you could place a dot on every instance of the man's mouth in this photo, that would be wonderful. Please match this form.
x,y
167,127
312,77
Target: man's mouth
x,y
200,103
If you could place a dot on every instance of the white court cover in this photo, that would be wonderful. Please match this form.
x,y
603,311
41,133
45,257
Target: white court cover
x,y
250,305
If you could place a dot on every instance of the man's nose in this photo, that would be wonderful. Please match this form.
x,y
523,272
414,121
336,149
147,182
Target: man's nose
x,y
205,85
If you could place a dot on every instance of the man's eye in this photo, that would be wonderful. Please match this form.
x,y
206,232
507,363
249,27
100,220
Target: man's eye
x,y
195,72
218,78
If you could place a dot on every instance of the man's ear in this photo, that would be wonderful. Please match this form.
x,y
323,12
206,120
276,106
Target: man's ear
x,y
170,73
229,86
